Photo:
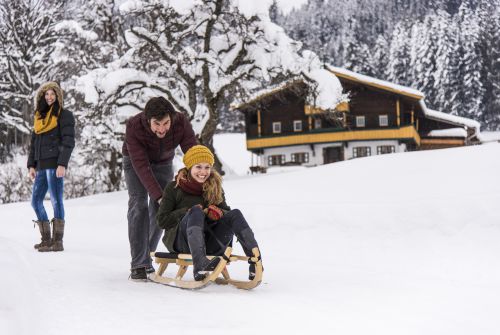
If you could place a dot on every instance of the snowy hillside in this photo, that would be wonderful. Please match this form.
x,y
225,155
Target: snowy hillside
x,y
395,244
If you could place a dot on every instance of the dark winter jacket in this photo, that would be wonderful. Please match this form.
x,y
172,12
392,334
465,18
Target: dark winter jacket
x,y
174,205
53,148
144,147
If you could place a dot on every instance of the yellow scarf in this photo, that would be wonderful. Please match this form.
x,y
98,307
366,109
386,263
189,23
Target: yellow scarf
x,y
46,124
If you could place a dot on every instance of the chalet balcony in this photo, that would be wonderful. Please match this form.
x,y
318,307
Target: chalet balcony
x,y
329,135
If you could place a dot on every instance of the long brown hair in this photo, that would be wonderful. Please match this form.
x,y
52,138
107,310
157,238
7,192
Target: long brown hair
x,y
212,187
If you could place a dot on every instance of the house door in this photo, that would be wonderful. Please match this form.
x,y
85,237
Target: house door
x,y
333,154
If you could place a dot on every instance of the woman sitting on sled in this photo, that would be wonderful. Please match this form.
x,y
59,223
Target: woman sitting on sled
x,y
197,219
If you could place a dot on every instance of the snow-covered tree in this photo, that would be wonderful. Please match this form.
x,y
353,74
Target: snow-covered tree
x,y
379,58
90,42
27,40
472,89
274,12
201,57
399,55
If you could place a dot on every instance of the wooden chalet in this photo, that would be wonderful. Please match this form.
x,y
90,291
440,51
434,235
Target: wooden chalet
x,y
380,118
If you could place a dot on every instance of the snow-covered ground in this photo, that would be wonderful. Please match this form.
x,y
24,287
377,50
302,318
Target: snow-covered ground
x,y
394,244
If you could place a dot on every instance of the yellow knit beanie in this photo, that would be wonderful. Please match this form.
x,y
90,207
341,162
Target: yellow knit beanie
x,y
198,154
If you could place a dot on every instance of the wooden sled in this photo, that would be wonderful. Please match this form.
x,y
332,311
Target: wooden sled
x,y
184,261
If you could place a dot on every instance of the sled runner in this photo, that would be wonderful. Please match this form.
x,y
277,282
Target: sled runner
x,y
183,261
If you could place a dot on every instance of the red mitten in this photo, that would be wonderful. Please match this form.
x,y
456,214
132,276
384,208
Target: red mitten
x,y
214,213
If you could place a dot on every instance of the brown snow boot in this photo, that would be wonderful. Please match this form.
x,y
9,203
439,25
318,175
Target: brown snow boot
x,y
44,227
57,237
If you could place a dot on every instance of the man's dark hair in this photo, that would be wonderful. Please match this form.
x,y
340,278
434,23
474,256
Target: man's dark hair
x,y
158,108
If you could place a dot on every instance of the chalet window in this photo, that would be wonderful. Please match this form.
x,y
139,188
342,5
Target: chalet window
x,y
276,127
385,149
360,121
300,157
317,123
297,125
383,120
275,160
361,152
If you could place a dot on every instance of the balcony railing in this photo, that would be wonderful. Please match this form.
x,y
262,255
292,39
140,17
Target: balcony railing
x,y
335,135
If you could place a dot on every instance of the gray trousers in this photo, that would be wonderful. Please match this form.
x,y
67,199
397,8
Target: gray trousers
x,y
143,233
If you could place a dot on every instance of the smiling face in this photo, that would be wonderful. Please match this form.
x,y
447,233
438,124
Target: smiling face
x,y
160,127
200,172
50,97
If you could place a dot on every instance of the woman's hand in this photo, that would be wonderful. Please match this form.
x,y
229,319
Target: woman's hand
x,y
32,173
61,171
214,213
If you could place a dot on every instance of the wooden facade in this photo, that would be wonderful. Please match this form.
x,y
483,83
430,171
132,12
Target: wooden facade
x,y
379,118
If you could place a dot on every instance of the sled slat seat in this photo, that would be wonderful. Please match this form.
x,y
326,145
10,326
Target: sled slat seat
x,y
169,255
187,257
183,261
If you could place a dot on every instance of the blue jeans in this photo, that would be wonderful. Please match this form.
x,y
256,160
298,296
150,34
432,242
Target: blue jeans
x,y
47,180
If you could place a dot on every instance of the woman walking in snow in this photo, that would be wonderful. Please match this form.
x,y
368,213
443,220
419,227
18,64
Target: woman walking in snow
x,y
196,218
52,141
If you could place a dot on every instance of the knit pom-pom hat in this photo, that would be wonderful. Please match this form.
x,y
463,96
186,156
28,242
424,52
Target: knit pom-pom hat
x,y
198,154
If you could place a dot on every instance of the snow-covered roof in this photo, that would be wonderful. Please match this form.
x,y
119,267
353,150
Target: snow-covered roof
x,y
453,119
328,90
382,84
489,136
268,91
451,132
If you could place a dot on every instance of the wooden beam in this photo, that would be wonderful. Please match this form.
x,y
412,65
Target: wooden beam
x,y
398,113
259,129
440,141
406,132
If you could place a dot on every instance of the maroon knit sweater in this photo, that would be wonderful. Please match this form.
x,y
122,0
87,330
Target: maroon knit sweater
x,y
144,147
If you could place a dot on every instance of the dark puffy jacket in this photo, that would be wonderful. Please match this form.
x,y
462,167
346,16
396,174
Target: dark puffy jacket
x,y
144,147
56,144
173,207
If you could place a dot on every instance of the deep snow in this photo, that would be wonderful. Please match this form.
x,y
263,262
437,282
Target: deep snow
x,y
395,244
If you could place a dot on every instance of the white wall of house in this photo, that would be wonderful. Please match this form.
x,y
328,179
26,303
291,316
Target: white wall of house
x,y
349,151
287,153
315,152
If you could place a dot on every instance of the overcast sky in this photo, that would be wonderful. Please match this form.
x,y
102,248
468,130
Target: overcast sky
x,y
255,6
288,5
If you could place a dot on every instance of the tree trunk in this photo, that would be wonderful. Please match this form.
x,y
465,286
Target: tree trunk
x,y
207,134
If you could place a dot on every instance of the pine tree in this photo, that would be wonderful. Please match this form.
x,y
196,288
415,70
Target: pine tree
x,y
274,14
399,55
356,53
429,55
448,80
472,90
379,59
489,46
